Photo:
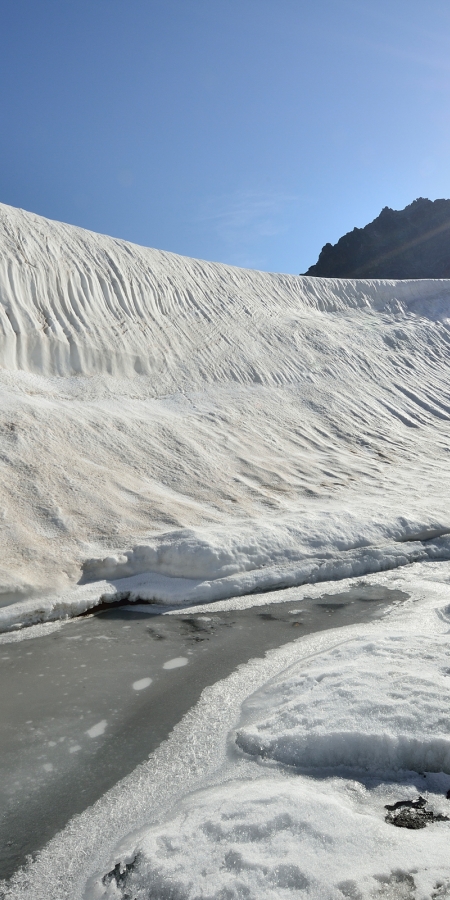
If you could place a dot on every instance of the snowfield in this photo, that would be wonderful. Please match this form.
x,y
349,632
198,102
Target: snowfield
x,y
191,420
179,432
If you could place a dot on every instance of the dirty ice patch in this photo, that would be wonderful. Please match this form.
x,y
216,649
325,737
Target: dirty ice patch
x,y
370,703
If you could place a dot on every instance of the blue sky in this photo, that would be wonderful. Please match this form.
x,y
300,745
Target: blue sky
x,y
245,131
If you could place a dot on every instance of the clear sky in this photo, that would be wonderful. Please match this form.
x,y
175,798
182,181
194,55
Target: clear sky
x,y
246,131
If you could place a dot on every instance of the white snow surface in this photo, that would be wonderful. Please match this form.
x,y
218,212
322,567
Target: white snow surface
x,y
208,430
354,706
162,591
275,785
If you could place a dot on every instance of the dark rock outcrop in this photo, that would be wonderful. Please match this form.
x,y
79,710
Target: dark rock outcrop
x,y
409,243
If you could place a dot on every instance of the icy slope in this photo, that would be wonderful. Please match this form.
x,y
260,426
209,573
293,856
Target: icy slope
x,y
143,392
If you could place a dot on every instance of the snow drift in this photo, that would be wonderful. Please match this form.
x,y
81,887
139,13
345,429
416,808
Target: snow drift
x,y
73,302
201,422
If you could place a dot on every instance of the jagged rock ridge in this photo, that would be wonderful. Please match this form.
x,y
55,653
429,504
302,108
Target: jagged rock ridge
x,y
409,243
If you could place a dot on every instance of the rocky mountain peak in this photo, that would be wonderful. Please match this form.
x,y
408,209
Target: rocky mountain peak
x,y
409,243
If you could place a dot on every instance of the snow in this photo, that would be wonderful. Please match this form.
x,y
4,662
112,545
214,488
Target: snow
x,y
177,432
98,729
274,838
176,663
192,421
217,553
354,707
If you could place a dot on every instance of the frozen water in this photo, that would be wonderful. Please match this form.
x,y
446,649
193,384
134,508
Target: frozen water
x,y
141,684
207,818
176,663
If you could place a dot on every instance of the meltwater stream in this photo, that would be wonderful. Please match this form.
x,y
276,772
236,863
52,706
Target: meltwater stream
x,y
82,706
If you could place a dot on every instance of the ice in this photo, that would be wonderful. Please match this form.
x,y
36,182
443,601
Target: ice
x,y
98,729
141,684
176,663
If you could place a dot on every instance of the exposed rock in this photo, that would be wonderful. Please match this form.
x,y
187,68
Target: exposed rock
x,y
412,814
121,873
411,804
410,243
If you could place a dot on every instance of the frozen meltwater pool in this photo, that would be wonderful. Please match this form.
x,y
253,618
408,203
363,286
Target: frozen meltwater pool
x,y
83,705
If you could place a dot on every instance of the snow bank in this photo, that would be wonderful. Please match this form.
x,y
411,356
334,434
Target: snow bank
x,y
165,591
379,704
216,553
349,564
144,393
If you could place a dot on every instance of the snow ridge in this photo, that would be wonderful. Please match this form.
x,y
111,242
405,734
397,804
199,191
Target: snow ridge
x,y
74,302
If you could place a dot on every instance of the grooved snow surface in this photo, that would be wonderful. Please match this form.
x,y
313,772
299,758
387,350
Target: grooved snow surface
x,y
196,421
